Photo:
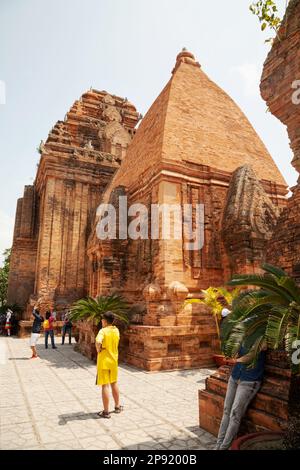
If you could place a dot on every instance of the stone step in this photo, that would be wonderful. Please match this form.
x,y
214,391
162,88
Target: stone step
x,y
271,387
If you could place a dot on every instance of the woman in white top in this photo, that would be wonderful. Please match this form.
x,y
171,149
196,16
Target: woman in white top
x,y
8,321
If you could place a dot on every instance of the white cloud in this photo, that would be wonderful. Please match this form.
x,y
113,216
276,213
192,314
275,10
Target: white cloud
x,y
249,75
6,232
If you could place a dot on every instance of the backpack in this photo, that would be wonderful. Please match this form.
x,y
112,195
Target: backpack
x,y
46,324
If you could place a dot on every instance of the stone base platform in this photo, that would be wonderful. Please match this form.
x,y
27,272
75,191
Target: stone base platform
x,y
87,332
268,411
155,348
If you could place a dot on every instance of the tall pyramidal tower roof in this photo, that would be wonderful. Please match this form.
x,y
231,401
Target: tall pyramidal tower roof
x,y
193,120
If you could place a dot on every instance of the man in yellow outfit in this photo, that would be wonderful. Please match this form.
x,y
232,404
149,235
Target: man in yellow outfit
x,y
107,342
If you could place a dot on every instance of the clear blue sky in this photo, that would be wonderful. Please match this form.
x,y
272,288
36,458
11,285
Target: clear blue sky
x,y
51,51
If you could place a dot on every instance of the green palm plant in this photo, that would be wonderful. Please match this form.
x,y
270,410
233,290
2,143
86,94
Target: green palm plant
x,y
93,309
268,314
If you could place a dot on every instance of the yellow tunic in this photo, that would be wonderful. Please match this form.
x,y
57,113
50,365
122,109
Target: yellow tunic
x,y
107,359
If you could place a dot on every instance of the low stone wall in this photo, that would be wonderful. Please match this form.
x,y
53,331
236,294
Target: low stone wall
x,y
87,332
269,409
155,348
182,341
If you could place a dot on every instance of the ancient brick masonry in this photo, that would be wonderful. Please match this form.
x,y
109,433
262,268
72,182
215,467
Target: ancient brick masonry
x,y
269,411
194,146
281,71
23,256
185,151
53,219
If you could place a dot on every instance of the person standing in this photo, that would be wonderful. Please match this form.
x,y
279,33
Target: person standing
x,y
48,330
244,383
225,312
35,331
107,343
53,313
66,328
8,322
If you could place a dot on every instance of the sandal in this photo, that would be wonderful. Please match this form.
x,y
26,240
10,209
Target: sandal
x,y
104,414
119,409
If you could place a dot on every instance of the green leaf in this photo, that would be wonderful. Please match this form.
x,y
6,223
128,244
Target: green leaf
x,y
93,309
270,313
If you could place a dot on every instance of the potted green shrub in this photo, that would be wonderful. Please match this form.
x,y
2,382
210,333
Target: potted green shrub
x,y
216,298
92,310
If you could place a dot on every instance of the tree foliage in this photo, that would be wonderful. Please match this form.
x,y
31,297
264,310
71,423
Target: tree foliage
x,y
268,15
4,272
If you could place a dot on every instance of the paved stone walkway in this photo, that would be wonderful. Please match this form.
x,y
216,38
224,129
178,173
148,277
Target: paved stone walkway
x,y
51,403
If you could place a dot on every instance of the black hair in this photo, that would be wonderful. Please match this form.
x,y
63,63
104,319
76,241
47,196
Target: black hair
x,y
109,317
48,315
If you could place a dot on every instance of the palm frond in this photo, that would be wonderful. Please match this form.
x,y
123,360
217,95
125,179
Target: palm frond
x,y
270,313
93,309
277,326
257,347
264,281
290,286
277,272
233,343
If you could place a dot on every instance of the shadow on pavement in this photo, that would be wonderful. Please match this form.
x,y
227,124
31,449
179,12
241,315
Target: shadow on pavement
x,y
66,418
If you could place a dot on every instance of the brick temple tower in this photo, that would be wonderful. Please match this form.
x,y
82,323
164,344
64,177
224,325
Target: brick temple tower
x,y
270,408
54,217
193,146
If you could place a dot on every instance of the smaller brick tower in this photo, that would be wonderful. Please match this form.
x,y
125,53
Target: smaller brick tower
x,y
54,218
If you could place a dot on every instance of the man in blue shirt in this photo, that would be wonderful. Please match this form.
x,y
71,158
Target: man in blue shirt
x,y
243,385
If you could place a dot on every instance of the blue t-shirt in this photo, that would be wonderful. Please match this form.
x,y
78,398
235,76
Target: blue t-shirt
x,y
254,374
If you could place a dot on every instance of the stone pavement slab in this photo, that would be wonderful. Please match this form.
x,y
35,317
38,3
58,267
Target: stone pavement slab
x,y
51,403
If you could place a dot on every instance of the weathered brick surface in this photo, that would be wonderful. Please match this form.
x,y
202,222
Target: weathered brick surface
x,y
195,121
281,71
86,341
23,256
184,152
55,216
282,68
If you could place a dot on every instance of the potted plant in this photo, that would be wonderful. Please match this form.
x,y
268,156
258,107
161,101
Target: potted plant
x,y
91,310
270,313
216,298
